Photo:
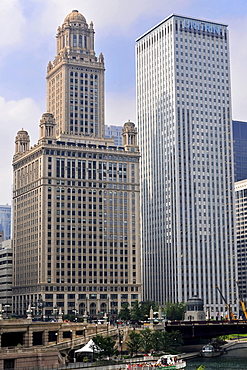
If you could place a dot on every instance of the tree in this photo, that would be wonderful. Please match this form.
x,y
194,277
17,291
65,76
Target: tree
x,y
175,311
136,312
175,338
145,308
134,344
124,313
140,310
146,340
106,345
157,340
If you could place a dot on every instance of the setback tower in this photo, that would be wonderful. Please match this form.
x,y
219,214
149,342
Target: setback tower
x,y
76,195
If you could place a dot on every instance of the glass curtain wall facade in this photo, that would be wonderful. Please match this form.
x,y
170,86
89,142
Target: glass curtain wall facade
x,y
5,221
241,225
187,183
240,149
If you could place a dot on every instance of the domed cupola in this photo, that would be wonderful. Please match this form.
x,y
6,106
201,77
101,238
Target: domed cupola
x,y
129,134
194,309
47,126
75,16
22,142
75,37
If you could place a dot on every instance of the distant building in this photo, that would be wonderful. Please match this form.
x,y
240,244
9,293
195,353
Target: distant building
x,y
241,228
115,132
240,149
5,221
6,261
76,210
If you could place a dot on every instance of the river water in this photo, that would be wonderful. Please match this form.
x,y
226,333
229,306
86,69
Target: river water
x,y
236,359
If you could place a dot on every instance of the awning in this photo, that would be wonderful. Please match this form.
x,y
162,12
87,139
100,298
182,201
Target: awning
x,y
90,347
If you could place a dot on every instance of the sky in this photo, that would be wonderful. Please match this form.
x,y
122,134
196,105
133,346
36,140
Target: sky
x,y
27,43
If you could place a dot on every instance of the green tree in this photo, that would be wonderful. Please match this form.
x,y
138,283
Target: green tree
x,y
175,311
146,340
157,340
145,308
176,338
134,343
136,311
171,340
140,310
106,345
124,313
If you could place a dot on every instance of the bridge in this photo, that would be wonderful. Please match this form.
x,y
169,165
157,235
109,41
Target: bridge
x,y
28,344
195,330
24,343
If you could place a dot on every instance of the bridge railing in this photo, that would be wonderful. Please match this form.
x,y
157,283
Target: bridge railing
x,y
77,342
208,322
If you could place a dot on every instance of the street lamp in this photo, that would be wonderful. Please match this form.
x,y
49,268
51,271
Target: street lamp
x,y
120,335
121,346
6,306
75,312
33,310
84,331
96,328
55,312
56,334
41,306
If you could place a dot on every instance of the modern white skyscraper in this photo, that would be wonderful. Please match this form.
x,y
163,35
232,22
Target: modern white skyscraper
x,y
187,183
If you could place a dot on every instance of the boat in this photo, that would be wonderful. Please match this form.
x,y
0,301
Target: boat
x,y
170,362
164,362
210,351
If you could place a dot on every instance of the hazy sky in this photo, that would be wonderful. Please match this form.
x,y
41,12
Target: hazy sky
x,y
27,43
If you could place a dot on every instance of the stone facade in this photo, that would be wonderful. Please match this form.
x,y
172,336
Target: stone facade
x,y
76,238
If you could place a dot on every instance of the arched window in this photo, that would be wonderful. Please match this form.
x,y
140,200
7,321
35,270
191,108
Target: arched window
x,y
74,40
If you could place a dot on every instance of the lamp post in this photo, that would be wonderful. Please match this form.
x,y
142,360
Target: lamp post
x,y
75,312
120,336
121,346
96,328
84,331
56,334
33,308
93,351
6,306
41,306
55,312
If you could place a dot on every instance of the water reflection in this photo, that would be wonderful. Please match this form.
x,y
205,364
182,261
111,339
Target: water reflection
x,y
236,359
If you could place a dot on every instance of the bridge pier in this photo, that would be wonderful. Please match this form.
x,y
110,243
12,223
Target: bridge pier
x,y
28,338
59,336
45,337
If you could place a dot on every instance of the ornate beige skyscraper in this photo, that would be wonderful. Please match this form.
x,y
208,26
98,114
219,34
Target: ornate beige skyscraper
x,y
76,239
75,80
